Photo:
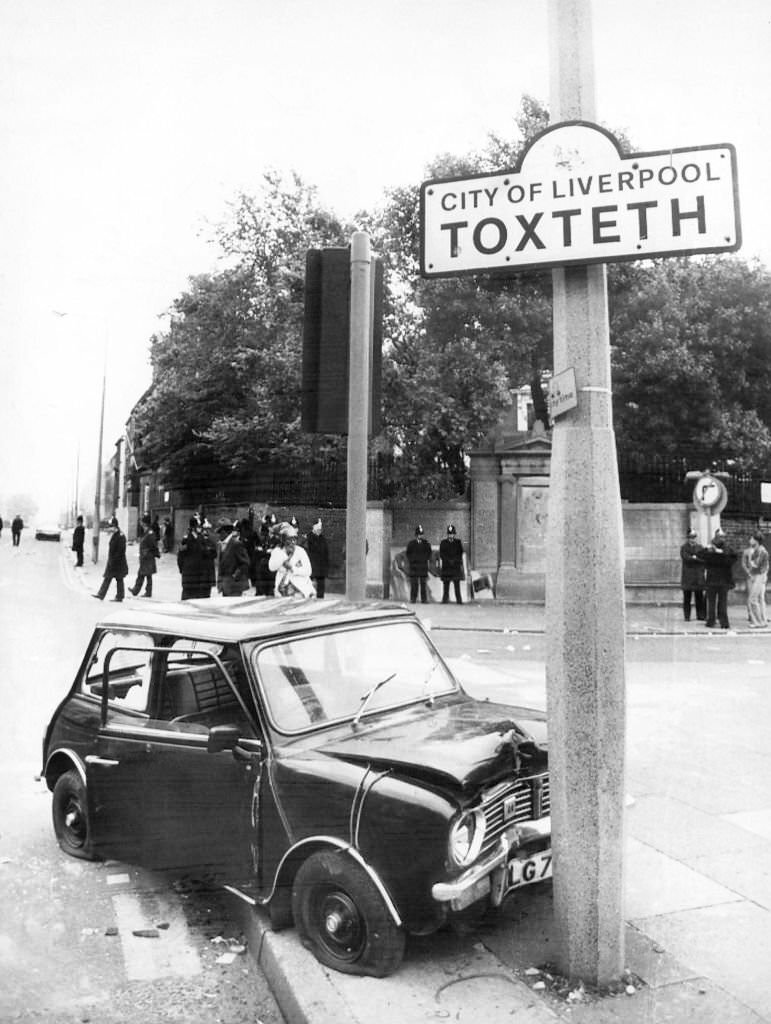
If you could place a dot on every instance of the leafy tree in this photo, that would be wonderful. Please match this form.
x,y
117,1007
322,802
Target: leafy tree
x,y
227,374
455,347
690,343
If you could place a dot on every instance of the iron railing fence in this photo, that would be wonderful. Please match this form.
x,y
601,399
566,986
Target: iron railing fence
x,y
662,478
642,479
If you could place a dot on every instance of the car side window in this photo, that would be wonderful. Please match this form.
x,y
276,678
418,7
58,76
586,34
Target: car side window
x,y
193,693
127,659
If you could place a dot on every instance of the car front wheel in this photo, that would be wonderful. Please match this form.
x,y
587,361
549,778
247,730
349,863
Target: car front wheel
x,y
70,814
343,919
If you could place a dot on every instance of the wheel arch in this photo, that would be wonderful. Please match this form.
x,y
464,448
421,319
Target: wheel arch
x,y
61,761
297,854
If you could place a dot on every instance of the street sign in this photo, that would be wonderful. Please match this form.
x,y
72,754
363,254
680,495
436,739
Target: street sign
x,y
576,198
709,494
562,393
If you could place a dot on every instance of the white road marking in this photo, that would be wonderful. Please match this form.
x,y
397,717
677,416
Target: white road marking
x,y
171,954
118,879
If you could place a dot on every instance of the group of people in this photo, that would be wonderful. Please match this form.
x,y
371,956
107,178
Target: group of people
x,y
17,525
707,575
270,558
231,558
451,570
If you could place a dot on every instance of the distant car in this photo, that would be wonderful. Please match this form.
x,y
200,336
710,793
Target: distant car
x,y
320,752
48,533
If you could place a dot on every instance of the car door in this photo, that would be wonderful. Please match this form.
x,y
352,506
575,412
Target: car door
x,y
163,792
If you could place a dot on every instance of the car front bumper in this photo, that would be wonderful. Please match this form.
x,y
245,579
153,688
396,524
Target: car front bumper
x,y
488,876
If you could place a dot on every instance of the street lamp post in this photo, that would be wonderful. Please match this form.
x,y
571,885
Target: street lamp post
x,y
98,494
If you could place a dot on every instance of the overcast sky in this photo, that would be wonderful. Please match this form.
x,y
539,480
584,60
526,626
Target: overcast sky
x,y
126,127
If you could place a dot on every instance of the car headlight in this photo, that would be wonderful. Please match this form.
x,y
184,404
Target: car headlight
x,y
466,836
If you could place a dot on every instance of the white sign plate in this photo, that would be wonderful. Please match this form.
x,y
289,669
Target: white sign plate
x,y
562,392
575,198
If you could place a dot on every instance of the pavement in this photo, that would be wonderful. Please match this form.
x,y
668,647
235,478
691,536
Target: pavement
x,y
698,906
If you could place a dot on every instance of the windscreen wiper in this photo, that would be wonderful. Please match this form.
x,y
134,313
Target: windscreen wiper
x,y
368,697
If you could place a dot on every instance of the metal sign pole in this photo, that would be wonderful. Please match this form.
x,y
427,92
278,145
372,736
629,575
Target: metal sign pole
x,y
584,585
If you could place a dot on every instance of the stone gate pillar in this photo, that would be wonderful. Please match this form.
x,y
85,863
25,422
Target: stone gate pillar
x,y
509,510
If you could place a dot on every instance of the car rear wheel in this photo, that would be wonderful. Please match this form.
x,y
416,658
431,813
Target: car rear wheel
x,y
343,919
70,814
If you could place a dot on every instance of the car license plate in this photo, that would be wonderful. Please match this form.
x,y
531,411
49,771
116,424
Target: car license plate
x,y
526,872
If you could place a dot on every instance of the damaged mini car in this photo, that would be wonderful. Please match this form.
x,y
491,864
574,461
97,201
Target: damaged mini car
x,y
320,753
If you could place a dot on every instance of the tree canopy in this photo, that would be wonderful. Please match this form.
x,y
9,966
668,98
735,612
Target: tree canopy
x,y
689,343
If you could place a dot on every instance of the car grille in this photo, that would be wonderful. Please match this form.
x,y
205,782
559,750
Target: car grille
x,y
508,803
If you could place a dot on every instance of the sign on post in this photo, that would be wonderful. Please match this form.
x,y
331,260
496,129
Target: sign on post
x,y
576,199
562,393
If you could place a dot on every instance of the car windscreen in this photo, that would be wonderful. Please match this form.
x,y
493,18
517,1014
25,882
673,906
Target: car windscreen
x,y
321,678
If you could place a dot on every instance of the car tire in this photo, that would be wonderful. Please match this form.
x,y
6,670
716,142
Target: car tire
x,y
343,919
70,813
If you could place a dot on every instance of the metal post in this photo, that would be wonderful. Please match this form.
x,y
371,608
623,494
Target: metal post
x,y
358,419
584,586
98,494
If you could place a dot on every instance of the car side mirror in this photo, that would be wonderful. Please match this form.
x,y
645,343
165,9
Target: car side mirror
x,y
222,737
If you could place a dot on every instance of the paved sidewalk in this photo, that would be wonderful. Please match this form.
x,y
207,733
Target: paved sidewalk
x,y
698,932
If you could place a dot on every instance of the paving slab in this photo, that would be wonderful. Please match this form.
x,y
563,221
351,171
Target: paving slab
x,y
658,884
749,877
694,1002
729,943
676,828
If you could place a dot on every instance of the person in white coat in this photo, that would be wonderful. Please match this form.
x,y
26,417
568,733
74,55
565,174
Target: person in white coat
x,y
291,565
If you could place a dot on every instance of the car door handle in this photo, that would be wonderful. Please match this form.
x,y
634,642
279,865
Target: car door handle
x,y
106,762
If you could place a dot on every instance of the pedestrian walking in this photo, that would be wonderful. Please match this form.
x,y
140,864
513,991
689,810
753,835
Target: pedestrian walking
x,y
117,566
78,540
757,578
233,561
17,525
1,526
719,559
318,552
418,561
148,566
196,559
692,578
451,565
290,562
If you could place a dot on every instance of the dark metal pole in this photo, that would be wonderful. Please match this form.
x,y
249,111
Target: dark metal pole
x,y
98,494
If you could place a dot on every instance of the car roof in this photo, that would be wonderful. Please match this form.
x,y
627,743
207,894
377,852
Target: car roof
x,y
232,620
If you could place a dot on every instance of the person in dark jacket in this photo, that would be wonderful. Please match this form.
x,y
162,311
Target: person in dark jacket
x,y
267,539
17,525
318,552
117,566
168,535
195,559
233,561
451,565
148,566
719,560
418,560
692,578
78,540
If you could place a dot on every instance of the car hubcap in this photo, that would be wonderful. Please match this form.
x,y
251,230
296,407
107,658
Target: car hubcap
x,y
343,929
74,823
